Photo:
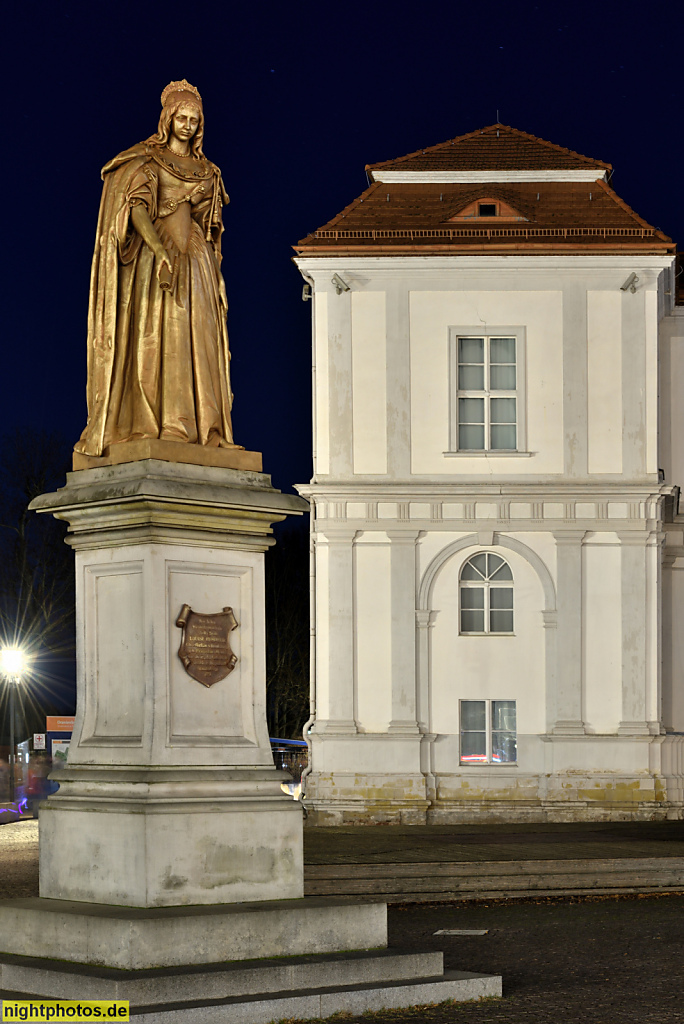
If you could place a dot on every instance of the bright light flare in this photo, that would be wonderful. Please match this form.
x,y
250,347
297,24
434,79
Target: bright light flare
x,y
13,662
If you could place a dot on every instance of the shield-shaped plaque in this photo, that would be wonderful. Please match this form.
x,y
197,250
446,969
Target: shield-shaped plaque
x,y
205,645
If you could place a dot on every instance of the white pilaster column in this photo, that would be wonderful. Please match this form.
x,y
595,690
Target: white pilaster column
x,y
335,620
568,702
633,385
398,382
634,626
672,715
655,548
403,600
575,379
550,619
340,384
424,622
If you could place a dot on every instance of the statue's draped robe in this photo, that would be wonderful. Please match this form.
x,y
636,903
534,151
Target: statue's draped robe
x,y
158,361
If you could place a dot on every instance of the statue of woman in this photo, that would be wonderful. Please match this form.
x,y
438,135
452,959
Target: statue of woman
x,y
158,359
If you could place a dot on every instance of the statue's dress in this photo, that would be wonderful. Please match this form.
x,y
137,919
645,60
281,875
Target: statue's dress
x,y
158,360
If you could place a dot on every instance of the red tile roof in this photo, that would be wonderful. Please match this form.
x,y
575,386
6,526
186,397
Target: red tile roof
x,y
497,147
560,216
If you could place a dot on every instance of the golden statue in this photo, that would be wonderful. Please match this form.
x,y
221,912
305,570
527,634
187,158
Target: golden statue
x,y
158,359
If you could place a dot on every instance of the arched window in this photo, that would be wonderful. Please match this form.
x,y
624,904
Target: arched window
x,y
486,594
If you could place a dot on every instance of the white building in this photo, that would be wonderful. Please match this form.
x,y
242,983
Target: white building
x,y
498,445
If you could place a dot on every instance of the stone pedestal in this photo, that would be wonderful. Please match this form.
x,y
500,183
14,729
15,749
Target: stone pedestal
x,y
141,838
170,796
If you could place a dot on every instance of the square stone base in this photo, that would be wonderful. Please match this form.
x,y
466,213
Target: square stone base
x,y
170,451
173,851
131,938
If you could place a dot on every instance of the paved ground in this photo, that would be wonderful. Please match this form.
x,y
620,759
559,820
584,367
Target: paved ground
x,y
377,844
594,960
19,859
599,960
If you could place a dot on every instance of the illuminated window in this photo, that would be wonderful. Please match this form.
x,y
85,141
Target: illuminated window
x,y
488,732
487,397
487,392
486,595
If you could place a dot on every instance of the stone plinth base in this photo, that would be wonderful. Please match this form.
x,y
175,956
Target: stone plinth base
x,y
234,964
256,993
171,451
607,777
250,964
130,938
219,980
141,838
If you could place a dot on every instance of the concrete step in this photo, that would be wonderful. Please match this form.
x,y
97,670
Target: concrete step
x,y
62,980
319,1002
423,882
141,938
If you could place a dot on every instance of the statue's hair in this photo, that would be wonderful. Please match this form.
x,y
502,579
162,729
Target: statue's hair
x,y
163,133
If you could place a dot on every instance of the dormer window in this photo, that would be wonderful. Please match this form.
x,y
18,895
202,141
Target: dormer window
x,y
486,208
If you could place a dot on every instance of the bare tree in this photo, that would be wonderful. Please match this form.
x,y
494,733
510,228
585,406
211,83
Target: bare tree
x,y
36,569
287,634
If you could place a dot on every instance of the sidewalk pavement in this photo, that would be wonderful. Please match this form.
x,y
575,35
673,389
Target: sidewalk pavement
x,y
377,844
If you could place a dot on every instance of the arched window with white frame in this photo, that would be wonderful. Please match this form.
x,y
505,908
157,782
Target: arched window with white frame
x,y
486,595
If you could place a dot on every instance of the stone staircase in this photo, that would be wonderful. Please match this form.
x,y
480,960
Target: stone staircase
x,y
437,881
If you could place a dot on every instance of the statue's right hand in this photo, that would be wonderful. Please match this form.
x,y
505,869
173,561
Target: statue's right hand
x,y
163,261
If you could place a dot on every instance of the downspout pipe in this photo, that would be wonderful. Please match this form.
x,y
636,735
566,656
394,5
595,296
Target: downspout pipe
x,y
312,560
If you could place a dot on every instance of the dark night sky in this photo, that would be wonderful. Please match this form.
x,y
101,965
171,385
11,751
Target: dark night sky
x,y
298,98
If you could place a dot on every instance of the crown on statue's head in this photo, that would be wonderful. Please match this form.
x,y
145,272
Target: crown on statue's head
x,y
178,87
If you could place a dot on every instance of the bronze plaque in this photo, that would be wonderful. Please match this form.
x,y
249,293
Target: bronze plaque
x,y
205,645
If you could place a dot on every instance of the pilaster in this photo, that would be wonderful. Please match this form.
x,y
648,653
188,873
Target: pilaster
x,y
341,458
634,394
398,383
336,618
633,555
403,641
568,703
424,621
575,379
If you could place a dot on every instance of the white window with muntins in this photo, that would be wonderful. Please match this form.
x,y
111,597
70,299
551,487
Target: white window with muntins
x,y
486,595
487,402
488,732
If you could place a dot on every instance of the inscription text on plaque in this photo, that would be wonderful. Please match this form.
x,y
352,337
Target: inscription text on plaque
x,y
205,645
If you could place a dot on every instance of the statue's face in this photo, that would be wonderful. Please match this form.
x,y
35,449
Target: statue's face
x,y
185,122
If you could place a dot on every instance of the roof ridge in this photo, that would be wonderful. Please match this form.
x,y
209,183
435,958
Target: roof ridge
x,y
517,132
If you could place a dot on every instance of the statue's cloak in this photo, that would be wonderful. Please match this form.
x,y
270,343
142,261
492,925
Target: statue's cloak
x,y
121,275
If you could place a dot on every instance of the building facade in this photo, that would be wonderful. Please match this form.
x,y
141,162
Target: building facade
x,y
497,536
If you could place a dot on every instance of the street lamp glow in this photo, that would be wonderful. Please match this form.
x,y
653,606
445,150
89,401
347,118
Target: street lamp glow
x,y
13,661
13,664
